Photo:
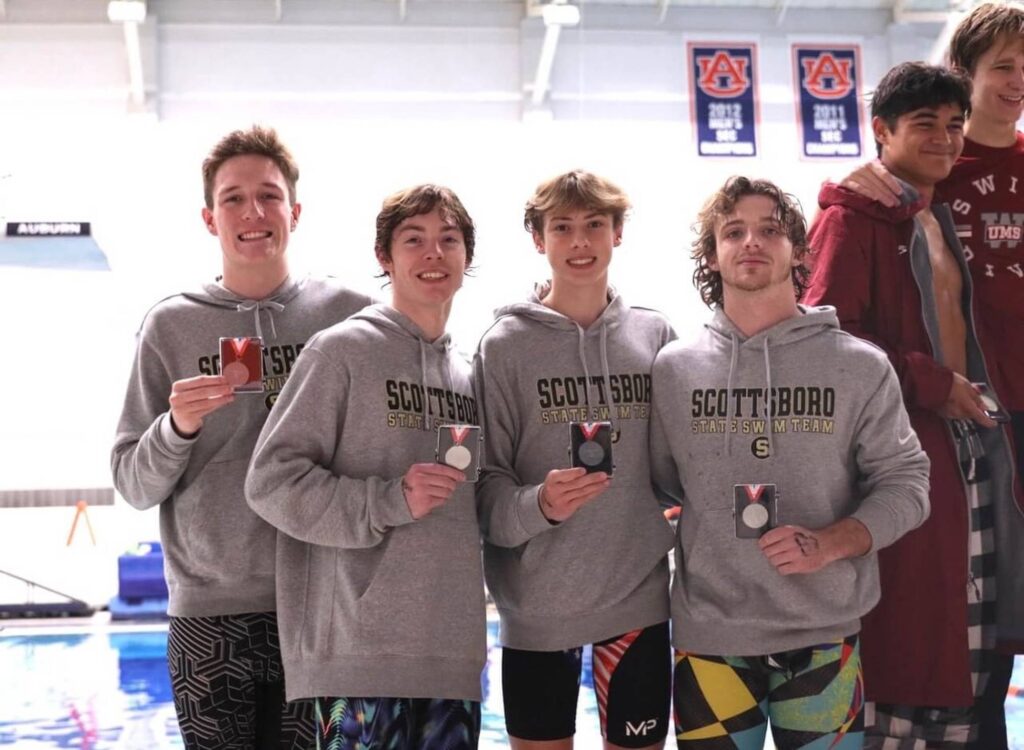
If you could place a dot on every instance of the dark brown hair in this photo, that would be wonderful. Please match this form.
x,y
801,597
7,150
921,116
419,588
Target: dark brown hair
x,y
414,201
723,203
257,141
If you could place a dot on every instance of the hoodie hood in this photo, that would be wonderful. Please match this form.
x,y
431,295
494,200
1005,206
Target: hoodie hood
x,y
216,294
536,310
610,318
810,322
396,324
911,201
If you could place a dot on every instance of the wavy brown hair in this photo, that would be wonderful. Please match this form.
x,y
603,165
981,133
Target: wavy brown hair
x,y
720,205
414,201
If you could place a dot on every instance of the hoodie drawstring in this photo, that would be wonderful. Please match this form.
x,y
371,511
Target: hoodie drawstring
x,y
606,375
768,396
255,306
423,384
734,341
586,372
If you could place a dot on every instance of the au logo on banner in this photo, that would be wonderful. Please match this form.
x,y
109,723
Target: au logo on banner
x,y
828,100
723,96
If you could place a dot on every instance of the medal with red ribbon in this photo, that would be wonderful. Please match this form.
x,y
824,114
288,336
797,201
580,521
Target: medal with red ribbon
x,y
755,515
754,492
591,452
237,372
458,456
238,346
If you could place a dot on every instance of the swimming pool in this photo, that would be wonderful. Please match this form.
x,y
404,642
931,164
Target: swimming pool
x,y
106,687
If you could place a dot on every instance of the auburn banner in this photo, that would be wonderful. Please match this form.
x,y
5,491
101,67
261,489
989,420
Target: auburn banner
x,y
723,98
827,81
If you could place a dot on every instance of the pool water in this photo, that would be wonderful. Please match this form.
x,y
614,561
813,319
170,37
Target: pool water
x,y
107,688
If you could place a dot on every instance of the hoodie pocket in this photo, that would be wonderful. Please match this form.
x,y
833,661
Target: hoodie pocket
x,y
223,538
426,596
714,561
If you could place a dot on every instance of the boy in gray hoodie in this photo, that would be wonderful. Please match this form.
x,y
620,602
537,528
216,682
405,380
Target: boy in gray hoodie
x,y
380,583
191,458
571,556
787,442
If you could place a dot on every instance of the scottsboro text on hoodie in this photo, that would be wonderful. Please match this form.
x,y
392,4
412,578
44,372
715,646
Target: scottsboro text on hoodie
x,y
812,410
218,555
371,602
604,571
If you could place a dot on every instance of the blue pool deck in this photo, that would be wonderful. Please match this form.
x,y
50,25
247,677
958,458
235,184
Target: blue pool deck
x,y
98,686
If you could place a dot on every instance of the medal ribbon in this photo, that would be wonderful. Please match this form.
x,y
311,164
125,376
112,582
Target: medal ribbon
x,y
239,346
459,433
754,491
589,429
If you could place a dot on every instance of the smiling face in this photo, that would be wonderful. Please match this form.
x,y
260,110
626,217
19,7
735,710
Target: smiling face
x,y
578,244
427,262
752,251
252,215
998,78
922,145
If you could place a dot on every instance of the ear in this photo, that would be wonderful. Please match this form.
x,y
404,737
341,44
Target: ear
x,y
296,210
618,239
713,263
881,131
386,265
538,242
211,226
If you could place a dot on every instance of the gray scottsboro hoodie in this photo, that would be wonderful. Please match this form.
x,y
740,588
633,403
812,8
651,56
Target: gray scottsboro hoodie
x,y
371,602
218,555
833,437
604,571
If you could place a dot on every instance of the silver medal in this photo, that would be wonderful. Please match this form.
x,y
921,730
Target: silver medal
x,y
458,456
591,453
755,515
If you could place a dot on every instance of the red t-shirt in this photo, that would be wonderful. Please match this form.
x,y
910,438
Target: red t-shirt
x,y
986,194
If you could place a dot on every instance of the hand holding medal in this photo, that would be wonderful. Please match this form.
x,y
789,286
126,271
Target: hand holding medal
x,y
428,486
565,491
194,398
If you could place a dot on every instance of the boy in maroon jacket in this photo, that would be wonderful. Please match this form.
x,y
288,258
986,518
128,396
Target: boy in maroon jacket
x,y
898,277
985,190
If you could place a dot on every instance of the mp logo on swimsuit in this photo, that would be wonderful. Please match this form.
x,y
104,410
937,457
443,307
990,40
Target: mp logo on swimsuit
x,y
640,728
827,77
723,75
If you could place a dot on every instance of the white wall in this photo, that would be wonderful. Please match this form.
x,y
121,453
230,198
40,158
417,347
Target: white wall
x,y
366,110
